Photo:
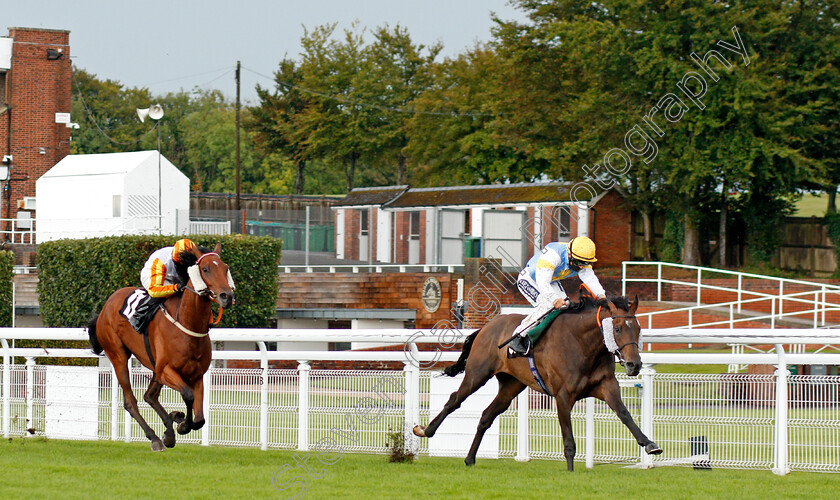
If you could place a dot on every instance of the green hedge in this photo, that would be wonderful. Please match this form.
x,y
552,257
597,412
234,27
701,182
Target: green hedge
x,y
7,263
77,276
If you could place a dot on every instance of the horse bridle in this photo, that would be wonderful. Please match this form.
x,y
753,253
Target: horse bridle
x,y
206,293
617,352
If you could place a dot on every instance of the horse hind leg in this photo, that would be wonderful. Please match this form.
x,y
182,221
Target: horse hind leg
x,y
473,380
151,397
509,387
130,402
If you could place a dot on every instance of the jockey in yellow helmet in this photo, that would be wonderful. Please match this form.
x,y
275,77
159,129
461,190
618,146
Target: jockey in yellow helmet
x,y
539,282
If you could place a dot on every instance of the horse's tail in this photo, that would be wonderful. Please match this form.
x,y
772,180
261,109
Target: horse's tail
x,y
94,341
461,364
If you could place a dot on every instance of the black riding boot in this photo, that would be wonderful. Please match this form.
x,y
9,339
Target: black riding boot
x,y
519,346
145,312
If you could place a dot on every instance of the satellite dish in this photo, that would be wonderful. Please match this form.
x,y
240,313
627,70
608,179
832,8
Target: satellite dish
x,y
155,112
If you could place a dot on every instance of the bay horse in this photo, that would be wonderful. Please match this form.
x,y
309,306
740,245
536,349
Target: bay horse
x,y
571,357
178,343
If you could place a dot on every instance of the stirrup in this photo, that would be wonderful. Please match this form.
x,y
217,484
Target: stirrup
x,y
519,346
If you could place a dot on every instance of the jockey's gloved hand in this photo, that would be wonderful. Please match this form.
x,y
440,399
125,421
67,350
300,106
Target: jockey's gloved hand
x,y
562,303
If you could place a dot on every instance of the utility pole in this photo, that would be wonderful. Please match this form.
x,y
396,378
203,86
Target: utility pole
x,y
237,139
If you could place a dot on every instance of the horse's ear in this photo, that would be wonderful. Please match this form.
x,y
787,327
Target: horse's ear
x,y
217,248
634,305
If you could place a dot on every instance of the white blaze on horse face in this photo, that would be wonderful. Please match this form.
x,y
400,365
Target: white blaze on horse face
x,y
230,281
197,281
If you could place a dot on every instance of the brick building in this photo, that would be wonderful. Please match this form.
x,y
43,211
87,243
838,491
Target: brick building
x,y
509,222
35,89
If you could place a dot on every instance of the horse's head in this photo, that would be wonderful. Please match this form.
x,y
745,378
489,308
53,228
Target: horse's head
x,y
211,278
626,329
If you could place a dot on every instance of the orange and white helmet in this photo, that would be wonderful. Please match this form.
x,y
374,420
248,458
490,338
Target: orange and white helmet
x,y
182,245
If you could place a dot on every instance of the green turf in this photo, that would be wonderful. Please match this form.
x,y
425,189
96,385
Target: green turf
x,y
38,468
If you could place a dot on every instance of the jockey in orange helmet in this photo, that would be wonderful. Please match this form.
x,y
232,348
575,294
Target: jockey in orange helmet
x,y
163,275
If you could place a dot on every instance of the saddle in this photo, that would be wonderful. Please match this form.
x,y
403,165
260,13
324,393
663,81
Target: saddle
x,y
139,308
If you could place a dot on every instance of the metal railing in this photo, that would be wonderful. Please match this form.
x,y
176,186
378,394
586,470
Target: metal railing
x,y
820,291
375,268
18,230
779,422
209,227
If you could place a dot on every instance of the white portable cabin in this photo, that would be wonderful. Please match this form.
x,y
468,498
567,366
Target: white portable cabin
x,y
111,194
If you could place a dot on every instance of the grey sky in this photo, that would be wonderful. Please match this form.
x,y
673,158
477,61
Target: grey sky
x,y
174,44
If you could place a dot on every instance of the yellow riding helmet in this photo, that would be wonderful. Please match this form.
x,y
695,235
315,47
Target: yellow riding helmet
x,y
582,248
182,245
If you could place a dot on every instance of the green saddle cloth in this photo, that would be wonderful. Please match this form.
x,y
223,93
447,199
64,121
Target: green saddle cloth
x,y
536,331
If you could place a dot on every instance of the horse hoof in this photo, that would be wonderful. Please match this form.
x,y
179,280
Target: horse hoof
x,y
419,431
169,439
184,428
469,461
198,424
653,449
157,445
177,416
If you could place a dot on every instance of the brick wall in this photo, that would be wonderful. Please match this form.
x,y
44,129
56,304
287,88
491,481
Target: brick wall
x,y
609,227
367,291
36,89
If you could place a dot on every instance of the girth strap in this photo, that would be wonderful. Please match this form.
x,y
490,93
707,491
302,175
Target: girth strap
x,y
149,348
533,366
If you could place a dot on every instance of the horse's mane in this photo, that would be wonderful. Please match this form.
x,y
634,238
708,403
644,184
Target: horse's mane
x,y
587,303
186,259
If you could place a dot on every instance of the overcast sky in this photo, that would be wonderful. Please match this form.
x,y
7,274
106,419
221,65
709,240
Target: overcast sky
x,y
174,44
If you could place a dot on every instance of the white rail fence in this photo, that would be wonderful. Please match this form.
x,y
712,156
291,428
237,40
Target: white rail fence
x,y
780,422
811,304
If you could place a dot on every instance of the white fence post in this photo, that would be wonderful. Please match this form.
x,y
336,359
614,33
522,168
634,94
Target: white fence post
x,y
303,405
115,390
780,464
128,419
205,431
590,432
30,393
647,373
411,405
7,389
523,409
263,395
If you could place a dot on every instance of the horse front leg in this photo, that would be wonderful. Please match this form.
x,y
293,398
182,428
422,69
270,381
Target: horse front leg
x,y
198,404
564,415
174,380
609,392
152,398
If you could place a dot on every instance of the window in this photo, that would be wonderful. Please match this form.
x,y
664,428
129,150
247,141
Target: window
x,y
117,206
564,223
2,88
365,225
414,226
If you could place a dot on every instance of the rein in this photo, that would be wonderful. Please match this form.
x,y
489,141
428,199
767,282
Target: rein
x,y
204,294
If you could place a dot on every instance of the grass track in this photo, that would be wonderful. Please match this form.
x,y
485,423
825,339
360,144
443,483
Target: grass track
x,y
38,468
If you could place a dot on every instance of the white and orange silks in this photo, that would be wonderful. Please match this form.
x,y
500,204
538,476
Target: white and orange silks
x,y
159,275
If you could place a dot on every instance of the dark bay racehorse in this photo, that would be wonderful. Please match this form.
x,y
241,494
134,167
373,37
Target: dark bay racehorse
x,y
571,357
178,341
